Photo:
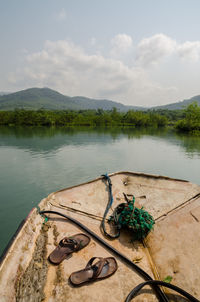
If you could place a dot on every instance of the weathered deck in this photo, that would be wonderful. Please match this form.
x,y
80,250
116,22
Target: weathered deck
x,y
173,248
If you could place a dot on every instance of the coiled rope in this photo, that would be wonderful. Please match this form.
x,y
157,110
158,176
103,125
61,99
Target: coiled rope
x,y
126,215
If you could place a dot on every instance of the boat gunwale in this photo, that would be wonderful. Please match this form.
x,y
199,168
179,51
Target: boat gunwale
x,y
14,237
11,241
122,172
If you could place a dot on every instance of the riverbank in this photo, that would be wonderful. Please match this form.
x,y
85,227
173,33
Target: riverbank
x,y
186,121
82,118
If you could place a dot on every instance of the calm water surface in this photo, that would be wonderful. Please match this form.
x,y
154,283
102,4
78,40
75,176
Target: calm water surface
x,y
35,162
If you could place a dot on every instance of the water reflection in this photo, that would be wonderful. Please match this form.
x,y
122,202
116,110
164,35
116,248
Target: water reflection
x,y
50,139
114,132
190,143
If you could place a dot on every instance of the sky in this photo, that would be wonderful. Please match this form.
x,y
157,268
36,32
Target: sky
x,y
136,52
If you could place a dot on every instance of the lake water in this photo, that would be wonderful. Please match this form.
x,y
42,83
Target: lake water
x,y
37,161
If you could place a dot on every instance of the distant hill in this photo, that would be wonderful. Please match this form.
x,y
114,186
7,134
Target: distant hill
x,y
179,105
45,98
3,93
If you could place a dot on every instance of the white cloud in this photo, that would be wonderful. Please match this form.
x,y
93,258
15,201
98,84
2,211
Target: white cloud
x,y
151,50
121,45
68,68
65,67
189,51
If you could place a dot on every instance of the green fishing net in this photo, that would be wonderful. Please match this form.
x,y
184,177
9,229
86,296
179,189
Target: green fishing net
x,y
139,221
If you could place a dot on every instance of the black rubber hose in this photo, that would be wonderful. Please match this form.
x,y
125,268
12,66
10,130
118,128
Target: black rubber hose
x,y
161,296
179,290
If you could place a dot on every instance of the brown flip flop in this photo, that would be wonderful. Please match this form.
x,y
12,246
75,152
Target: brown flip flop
x,y
67,246
103,268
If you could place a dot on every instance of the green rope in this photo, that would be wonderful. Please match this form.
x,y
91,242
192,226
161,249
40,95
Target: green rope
x,y
139,221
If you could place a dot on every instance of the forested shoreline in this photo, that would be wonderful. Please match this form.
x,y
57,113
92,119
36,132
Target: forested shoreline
x,y
91,118
187,120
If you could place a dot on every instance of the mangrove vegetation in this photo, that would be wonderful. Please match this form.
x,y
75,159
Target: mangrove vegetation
x,y
191,121
92,118
187,120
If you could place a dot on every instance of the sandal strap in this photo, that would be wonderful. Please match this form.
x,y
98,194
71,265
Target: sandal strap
x,y
68,242
98,267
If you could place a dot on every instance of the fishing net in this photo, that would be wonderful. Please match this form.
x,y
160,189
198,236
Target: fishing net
x,y
139,221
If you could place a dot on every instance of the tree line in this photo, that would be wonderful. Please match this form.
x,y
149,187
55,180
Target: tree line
x,y
186,120
191,121
93,118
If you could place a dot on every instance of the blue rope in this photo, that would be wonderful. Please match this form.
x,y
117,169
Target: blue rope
x,y
110,190
110,202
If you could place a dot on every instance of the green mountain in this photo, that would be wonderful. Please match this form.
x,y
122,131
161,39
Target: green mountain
x,y
45,98
180,105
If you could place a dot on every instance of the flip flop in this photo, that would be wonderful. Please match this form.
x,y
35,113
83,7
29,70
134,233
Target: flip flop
x,y
103,268
67,246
